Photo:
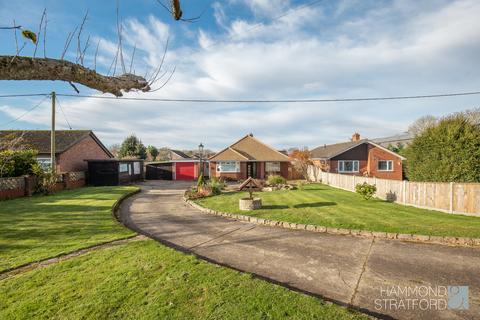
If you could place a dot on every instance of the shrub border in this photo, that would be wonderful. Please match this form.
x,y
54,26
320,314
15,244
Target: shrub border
x,y
443,240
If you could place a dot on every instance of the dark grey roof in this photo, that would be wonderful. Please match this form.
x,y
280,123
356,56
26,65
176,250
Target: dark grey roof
x,y
40,139
331,150
405,137
181,154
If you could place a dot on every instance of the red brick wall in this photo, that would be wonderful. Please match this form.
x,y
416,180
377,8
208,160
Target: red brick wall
x,y
284,169
376,154
73,159
11,194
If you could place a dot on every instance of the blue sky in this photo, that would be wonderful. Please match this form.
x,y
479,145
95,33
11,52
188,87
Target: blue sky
x,y
238,50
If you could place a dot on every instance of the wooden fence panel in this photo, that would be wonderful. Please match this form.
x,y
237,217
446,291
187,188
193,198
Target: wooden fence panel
x,y
463,198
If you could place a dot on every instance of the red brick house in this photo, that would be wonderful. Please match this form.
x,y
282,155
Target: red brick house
x,y
360,157
72,147
249,157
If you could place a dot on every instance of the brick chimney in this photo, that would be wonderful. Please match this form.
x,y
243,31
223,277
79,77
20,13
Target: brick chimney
x,y
356,137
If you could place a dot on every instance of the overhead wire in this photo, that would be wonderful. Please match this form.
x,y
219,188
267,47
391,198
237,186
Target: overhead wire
x,y
26,112
63,112
406,97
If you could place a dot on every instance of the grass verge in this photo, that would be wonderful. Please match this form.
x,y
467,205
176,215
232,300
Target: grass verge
x,y
146,280
44,226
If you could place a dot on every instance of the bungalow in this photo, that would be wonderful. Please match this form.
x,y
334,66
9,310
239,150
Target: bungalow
x,y
360,157
249,157
72,147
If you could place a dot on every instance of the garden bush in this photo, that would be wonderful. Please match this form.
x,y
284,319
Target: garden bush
x,y
16,163
216,185
366,190
275,180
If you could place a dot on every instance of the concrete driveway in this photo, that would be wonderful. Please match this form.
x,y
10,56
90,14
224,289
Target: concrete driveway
x,y
383,277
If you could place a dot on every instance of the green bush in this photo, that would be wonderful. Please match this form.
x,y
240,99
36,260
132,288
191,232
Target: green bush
x,y
16,163
448,151
366,190
46,181
275,180
216,185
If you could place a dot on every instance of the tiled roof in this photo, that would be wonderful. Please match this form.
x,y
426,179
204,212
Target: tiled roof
x,y
178,155
40,139
249,149
332,150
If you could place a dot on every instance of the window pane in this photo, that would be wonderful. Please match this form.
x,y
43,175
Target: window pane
x,y
382,165
355,166
227,166
272,167
385,165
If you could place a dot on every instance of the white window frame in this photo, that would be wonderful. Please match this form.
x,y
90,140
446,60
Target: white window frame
x,y
123,167
45,163
341,166
389,165
220,164
136,168
275,164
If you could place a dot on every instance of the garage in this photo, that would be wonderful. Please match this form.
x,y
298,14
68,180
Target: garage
x,y
185,171
159,171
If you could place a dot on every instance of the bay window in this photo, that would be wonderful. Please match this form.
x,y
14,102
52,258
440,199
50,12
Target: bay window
x,y
228,166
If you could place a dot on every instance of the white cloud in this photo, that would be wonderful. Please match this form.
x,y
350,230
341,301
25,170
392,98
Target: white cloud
x,y
393,50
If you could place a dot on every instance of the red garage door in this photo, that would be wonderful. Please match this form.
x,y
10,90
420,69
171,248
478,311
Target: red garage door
x,y
185,171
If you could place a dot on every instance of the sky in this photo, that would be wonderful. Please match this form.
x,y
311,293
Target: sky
x,y
254,49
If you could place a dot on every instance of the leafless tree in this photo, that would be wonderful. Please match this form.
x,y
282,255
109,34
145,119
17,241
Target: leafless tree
x,y
421,124
18,67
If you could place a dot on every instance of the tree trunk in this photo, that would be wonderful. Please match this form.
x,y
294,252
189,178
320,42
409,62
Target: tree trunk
x,y
27,68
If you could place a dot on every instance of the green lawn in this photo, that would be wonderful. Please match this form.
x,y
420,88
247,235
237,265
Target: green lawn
x,y
44,226
146,280
326,206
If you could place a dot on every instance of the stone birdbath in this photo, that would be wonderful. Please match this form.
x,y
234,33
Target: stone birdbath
x,y
250,203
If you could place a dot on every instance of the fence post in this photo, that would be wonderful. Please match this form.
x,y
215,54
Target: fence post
x,y
451,197
404,189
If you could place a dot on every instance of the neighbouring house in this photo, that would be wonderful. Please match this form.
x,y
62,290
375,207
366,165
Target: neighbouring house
x,y
180,166
249,157
72,147
360,157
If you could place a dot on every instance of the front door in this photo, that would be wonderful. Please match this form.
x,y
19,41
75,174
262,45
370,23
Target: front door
x,y
252,169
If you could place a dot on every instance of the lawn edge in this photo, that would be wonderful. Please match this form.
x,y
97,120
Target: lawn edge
x,y
118,203
441,240
114,209
6,274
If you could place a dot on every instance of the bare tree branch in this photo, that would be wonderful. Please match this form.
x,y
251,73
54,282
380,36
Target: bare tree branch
x,y
67,42
95,57
45,37
119,31
39,31
79,34
27,68
133,57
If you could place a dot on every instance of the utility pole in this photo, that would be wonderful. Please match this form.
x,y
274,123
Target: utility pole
x,y
52,134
